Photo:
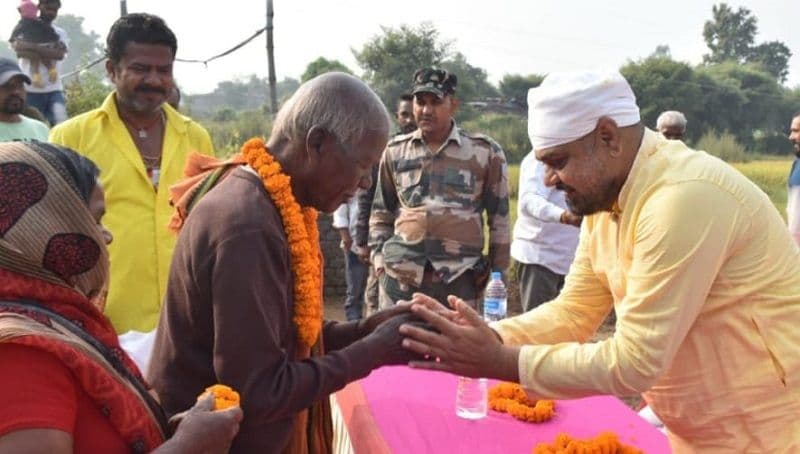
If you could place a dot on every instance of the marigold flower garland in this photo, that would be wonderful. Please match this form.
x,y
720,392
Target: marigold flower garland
x,y
511,398
300,225
606,442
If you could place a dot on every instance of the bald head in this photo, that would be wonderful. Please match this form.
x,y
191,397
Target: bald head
x,y
336,102
327,137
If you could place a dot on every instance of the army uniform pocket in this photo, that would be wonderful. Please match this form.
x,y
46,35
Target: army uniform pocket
x,y
459,187
410,184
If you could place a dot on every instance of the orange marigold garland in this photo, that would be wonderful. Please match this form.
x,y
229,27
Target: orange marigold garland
x,y
511,398
224,396
300,225
606,442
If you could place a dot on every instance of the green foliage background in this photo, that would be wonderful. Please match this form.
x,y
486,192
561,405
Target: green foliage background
x,y
736,103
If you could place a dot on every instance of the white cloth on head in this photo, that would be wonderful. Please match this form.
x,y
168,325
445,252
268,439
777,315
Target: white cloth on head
x,y
567,105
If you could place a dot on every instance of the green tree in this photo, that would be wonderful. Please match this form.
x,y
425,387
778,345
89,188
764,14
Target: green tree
x,y
774,57
749,102
514,87
244,93
85,92
286,88
723,101
510,131
84,46
390,59
662,51
322,65
661,84
729,34
473,82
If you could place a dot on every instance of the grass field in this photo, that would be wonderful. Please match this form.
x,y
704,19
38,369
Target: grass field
x,y
770,176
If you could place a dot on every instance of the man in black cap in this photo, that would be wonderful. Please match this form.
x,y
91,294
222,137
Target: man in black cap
x,y
426,228
13,124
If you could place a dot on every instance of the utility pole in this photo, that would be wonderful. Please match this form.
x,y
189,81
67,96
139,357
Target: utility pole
x,y
123,8
271,60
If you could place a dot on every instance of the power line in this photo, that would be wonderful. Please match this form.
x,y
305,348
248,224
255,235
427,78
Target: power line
x,y
83,68
229,51
204,62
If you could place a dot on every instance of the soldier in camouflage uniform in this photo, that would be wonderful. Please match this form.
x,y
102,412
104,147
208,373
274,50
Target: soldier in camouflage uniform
x,y
426,226
405,124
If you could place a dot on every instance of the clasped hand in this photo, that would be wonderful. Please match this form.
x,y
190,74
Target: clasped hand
x,y
460,342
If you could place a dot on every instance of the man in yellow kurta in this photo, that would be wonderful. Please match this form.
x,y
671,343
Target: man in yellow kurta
x,y
694,258
140,144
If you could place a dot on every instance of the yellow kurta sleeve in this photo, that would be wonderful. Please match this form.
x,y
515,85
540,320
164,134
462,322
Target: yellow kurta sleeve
x,y
574,315
680,239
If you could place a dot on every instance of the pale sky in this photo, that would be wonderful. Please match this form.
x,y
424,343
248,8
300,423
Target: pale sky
x,y
501,36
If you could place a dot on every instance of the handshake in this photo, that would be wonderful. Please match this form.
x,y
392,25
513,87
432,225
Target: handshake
x,y
426,334
381,331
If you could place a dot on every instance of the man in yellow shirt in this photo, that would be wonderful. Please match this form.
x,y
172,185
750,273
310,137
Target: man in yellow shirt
x,y
693,257
140,144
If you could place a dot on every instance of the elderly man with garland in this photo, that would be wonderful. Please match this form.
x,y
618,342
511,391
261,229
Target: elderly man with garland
x,y
695,259
244,302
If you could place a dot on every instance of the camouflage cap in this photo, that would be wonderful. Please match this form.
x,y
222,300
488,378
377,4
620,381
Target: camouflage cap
x,y
436,81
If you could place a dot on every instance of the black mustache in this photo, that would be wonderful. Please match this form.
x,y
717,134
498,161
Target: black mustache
x,y
151,89
563,187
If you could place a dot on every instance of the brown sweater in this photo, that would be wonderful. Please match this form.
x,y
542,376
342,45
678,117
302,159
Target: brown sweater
x,y
227,318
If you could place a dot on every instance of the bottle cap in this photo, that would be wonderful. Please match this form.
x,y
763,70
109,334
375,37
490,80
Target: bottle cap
x,y
497,275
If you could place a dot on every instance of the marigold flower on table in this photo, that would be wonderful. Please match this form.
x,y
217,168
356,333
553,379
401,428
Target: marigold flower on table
x,y
604,443
511,398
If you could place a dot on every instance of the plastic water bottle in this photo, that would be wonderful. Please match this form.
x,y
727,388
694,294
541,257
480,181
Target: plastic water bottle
x,y
495,299
472,398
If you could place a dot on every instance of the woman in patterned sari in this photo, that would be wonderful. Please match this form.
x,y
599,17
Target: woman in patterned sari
x,y
66,385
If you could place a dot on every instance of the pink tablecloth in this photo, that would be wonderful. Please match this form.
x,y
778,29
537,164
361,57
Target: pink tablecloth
x,y
402,410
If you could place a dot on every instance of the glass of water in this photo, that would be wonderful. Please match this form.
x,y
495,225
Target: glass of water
x,y
472,398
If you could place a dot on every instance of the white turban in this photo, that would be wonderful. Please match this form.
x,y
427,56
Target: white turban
x,y
566,106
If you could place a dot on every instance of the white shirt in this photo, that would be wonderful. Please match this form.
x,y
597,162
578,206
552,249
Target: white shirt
x,y
346,217
25,66
539,236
